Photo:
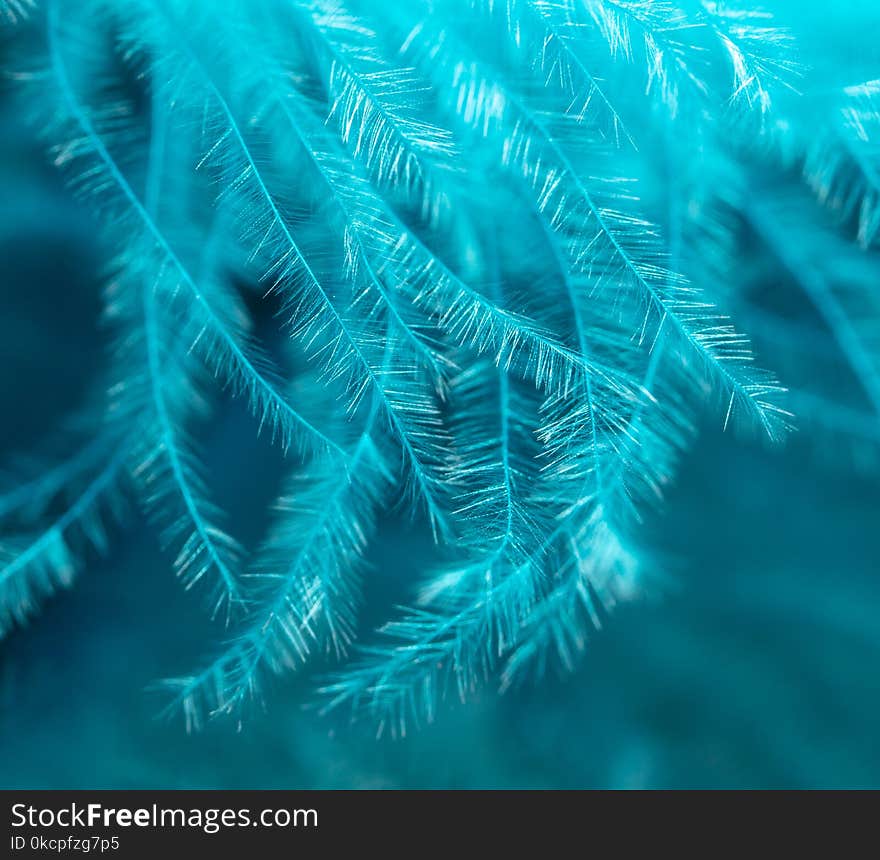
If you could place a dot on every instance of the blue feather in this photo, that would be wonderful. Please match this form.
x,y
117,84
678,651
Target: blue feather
x,y
477,318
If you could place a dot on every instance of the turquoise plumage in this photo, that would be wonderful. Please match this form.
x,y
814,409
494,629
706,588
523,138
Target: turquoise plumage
x,y
481,318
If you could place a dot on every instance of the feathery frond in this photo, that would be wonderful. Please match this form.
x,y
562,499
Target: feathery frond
x,y
304,587
375,104
34,565
216,331
15,11
611,249
843,163
476,319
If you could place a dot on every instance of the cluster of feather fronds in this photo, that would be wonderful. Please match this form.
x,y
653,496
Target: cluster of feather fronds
x,y
479,320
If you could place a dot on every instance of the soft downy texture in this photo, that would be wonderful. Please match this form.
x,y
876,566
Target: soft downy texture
x,y
479,321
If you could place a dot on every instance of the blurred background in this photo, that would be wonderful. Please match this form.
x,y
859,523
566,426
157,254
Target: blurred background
x,y
758,668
